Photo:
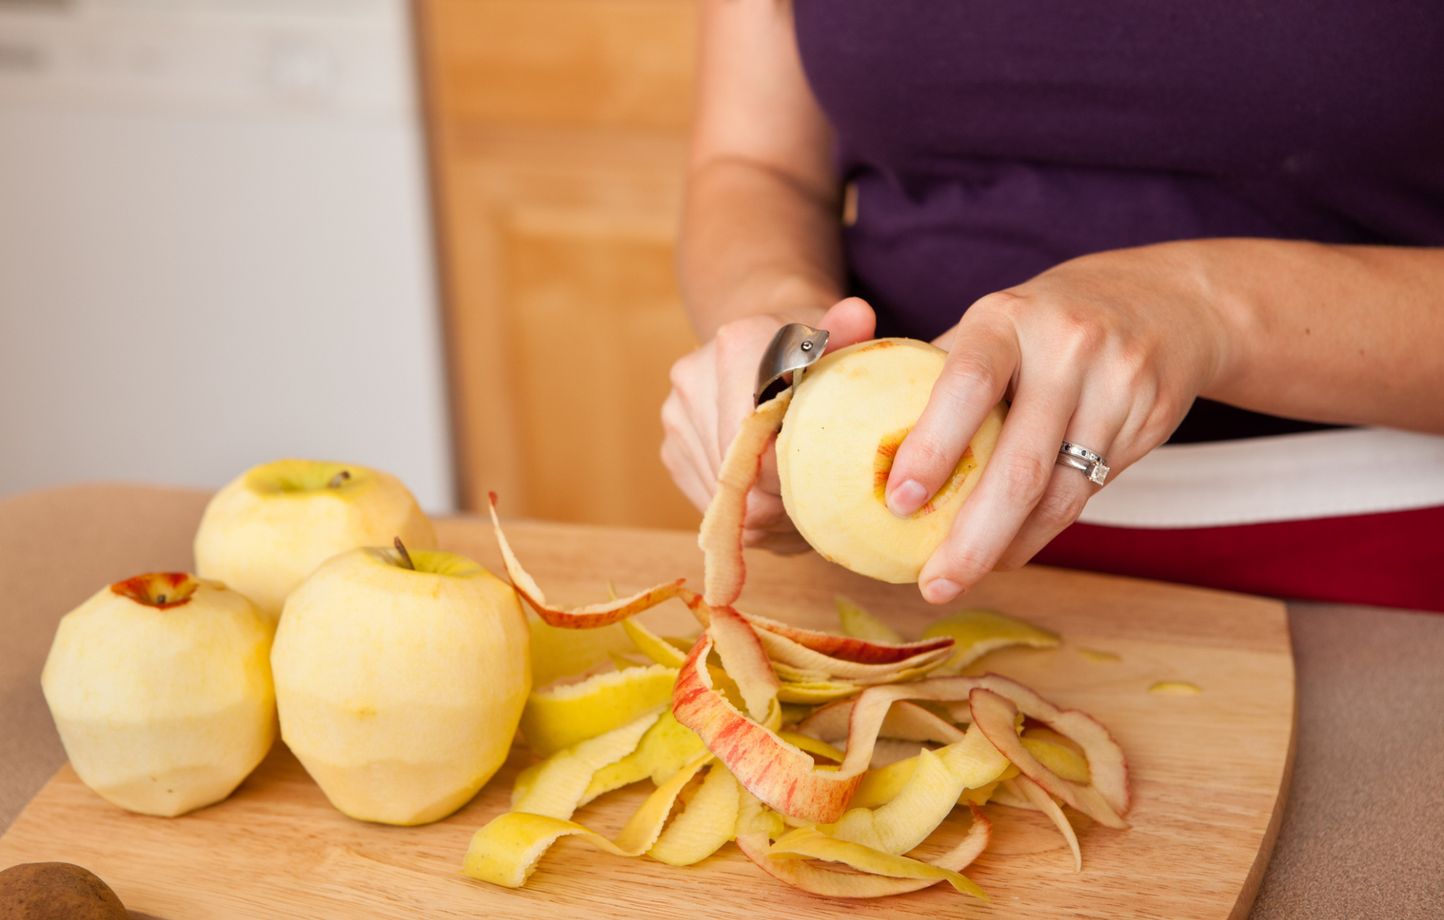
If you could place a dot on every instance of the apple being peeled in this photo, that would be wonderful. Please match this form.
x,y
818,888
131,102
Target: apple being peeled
x,y
400,680
269,528
160,686
847,417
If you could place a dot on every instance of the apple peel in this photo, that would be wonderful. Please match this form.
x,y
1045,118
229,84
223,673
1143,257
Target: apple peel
x,y
1057,756
858,623
814,692
996,715
848,648
919,793
652,645
558,785
928,797
745,660
780,774
663,750
587,616
787,651
1038,797
906,721
813,843
978,632
507,849
707,823
757,826
562,715
720,537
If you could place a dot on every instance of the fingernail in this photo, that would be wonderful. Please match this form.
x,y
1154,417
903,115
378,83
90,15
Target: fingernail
x,y
941,590
906,498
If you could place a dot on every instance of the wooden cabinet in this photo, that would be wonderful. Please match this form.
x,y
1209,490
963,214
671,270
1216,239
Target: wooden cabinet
x,y
557,131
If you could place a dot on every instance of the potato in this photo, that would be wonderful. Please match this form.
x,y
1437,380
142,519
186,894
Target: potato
x,y
56,891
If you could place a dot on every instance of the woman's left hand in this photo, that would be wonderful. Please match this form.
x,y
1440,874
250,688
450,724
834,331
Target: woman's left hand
x,y
1106,351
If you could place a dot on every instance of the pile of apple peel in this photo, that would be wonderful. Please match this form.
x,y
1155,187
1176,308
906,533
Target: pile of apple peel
x,y
849,765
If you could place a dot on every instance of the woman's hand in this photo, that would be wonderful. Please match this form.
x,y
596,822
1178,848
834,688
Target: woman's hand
x,y
1106,351
711,395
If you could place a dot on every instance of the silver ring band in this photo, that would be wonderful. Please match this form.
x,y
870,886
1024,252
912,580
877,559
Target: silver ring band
x,y
1085,460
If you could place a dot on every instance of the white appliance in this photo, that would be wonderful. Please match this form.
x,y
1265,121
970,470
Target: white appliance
x,y
214,243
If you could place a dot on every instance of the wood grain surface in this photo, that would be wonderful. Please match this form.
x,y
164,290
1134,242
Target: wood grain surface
x,y
1210,773
557,133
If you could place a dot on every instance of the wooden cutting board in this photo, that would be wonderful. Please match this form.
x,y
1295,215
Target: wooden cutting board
x,y
1210,772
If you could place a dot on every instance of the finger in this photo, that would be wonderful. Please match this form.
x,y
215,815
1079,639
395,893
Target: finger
x,y
973,379
1013,481
735,380
848,322
695,387
767,479
683,453
1068,489
685,476
765,512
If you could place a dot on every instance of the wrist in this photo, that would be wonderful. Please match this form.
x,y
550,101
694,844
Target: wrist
x,y
1217,283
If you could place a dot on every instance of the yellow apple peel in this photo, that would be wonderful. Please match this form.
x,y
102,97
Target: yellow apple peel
x,y
860,624
707,824
558,784
560,716
978,632
507,849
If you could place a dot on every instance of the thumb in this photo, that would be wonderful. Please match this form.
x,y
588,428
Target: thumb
x,y
848,321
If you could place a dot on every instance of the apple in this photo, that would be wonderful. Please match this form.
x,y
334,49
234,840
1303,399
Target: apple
x,y
400,680
269,528
160,686
835,450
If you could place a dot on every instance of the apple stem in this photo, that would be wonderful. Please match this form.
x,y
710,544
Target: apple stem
x,y
339,479
405,556
160,599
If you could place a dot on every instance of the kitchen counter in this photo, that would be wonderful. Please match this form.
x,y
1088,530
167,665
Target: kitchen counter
x,y
1363,834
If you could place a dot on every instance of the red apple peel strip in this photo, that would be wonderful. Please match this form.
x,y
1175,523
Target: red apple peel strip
x,y
587,616
1041,800
996,716
906,721
779,773
1107,766
849,648
785,650
720,536
744,660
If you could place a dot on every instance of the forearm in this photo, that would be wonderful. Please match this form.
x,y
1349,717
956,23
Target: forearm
x,y
755,241
1328,333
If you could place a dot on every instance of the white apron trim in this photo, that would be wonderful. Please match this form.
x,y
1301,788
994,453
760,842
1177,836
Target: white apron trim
x,y
1287,477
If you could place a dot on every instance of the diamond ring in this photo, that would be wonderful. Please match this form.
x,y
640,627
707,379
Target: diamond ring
x,y
1081,458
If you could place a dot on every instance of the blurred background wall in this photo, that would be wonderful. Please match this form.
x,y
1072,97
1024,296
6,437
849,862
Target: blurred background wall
x,y
433,237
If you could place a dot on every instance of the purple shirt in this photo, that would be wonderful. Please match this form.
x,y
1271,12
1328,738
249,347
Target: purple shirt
x,y
989,141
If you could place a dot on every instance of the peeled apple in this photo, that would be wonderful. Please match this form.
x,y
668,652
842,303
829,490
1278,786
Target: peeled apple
x,y
835,450
269,528
160,686
400,688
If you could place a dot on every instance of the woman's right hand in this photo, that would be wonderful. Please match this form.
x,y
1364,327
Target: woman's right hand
x,y
711,395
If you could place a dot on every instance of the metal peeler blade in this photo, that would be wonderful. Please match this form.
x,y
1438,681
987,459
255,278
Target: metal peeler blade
x,y
794,347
